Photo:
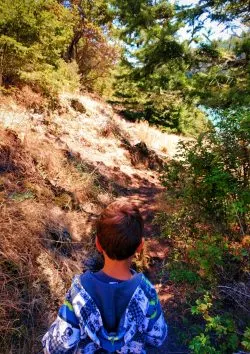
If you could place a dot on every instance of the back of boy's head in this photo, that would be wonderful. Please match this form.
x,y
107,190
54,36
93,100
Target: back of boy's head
x,y
120,230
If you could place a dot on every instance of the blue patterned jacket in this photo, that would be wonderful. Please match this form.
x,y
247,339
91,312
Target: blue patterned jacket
x,y
79,326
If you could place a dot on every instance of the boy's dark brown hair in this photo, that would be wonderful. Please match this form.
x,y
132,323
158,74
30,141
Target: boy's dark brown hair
x,y
120,230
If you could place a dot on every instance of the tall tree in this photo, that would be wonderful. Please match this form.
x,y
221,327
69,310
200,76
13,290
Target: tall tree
x,y
33,33
165,70
155,65
220,68
97,13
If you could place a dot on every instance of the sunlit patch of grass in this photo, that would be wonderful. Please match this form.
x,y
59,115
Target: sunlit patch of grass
x,y
156,139
20,197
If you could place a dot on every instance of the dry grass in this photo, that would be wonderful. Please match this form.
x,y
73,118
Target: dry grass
x,y
155,139
30,99
35,273
69,182
41,244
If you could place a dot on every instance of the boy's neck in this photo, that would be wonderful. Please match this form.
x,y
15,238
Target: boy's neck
x,y
117,269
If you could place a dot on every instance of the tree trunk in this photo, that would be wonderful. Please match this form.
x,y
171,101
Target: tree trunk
x,y
71,51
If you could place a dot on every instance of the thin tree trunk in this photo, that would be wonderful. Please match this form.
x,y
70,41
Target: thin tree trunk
x,y
71,51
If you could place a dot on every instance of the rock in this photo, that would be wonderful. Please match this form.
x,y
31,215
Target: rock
x,y
78,106
94,262
141,154
60,239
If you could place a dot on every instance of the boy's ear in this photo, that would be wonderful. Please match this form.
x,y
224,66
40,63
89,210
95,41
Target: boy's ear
x,y
98,245
140,247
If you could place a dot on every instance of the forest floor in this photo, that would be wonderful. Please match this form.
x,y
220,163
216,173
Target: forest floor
x,y
61,169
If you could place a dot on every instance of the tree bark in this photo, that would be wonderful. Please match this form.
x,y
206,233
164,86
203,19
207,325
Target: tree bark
x,y
71,51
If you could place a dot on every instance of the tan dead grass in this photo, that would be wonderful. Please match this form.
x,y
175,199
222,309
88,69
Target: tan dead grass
x,y
54,167
161,142
23,96
30,99
18,272
36,263
34,276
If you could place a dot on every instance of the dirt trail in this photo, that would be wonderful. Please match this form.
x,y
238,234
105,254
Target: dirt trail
x,y
144,194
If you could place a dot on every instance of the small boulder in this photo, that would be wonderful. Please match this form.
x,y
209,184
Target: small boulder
x,y
140,154
59,238
78,106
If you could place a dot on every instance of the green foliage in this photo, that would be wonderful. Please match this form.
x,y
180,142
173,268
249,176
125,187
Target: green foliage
x,y
207,216
53,79
224,11
34,36
153,80
203,261
207,255
220,72
14,56
167,79
91,44
246,337
97,12
136,18
172,112
43,26
157,99
180,273
219,332
212,173
38,36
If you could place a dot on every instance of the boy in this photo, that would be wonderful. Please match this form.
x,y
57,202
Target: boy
x,y
115,310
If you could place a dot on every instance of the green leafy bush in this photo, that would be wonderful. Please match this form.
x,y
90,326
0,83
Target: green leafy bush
x,y
218,335
246,339
212,173
206,220
34,37
181,273
148,99
207,254
52,80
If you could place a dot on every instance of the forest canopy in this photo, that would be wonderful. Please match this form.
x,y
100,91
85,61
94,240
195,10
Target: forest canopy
x,y
131,52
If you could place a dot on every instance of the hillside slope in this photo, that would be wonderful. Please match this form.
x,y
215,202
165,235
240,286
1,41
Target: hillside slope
x,y
57,171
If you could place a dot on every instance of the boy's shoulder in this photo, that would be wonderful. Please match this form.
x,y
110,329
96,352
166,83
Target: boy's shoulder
x,y
141,306
141,322
144,287
147,287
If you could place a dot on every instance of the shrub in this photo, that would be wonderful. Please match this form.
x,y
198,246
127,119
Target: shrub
x,y
206,220
165,108
218,335
212,173
14,56
34,37
95,57
169,110
52,80
246,337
